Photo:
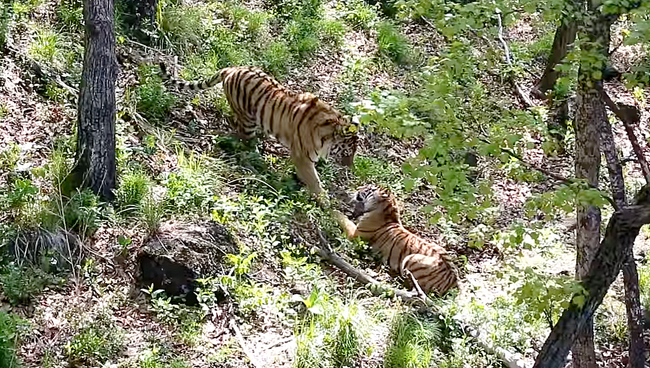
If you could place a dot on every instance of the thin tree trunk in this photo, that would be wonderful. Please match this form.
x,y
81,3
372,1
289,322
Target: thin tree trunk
x,y
96,129
565,36
590,111
630,274
622,230
590,116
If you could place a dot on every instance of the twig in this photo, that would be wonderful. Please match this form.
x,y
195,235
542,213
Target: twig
x,y
628,123
279,343
242,343
527,101
511,360
145,46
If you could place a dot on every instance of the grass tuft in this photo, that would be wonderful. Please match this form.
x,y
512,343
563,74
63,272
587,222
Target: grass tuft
x,y
412,342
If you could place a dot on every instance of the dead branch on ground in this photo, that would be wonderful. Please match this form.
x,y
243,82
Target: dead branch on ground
x,y
244,346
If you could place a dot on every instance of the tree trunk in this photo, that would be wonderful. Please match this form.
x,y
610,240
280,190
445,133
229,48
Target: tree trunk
x,y
634,310
623,228
590,111
96,129
565,35
590,116
630,274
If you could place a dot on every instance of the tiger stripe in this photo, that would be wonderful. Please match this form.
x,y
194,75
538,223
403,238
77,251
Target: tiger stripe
x,y
380,224
309,127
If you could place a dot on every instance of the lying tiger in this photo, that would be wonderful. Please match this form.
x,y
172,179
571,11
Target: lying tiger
x,y
309,127
380,225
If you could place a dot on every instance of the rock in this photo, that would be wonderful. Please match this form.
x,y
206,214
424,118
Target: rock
x,y
179,253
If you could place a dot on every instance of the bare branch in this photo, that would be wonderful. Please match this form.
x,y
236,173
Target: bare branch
x,y
527,101
629,117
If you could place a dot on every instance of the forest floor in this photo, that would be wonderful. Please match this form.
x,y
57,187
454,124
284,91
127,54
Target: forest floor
x,y
184,182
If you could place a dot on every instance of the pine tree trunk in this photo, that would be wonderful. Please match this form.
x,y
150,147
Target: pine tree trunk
x,y
96,129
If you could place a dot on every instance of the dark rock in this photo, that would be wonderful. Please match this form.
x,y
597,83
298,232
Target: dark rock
x,y
180,253
163,273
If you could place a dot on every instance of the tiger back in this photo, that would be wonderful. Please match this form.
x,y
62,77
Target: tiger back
x,y
309,127
380,225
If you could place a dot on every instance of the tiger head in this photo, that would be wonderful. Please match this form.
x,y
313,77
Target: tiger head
x,y
345,142
373,201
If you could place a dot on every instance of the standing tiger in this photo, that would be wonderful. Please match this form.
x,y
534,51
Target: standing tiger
x,y
309,127
380,224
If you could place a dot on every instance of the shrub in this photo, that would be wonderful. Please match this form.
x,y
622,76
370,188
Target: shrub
x,y
96,343
276,58
192,188
360,15
392,43
70,14
153,102
82,212
185,26
332,31
20,284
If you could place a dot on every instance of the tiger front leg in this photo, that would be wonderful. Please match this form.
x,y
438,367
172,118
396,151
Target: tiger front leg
x,y
306,171
346,224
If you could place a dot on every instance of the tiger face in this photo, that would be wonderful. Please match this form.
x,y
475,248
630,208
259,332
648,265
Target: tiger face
x,y
345,142
371,198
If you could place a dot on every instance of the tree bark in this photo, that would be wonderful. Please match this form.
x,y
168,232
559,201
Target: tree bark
x,y
630,274
591,115
565,35
623,228
95,166
590,111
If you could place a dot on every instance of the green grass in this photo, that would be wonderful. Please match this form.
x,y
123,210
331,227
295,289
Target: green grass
x,y
185,26
153,102
96,342
412,341
372,170
134,186
70,14
392,44
21,284
359,14
46,46
10,328
333,332
193,188
644,284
